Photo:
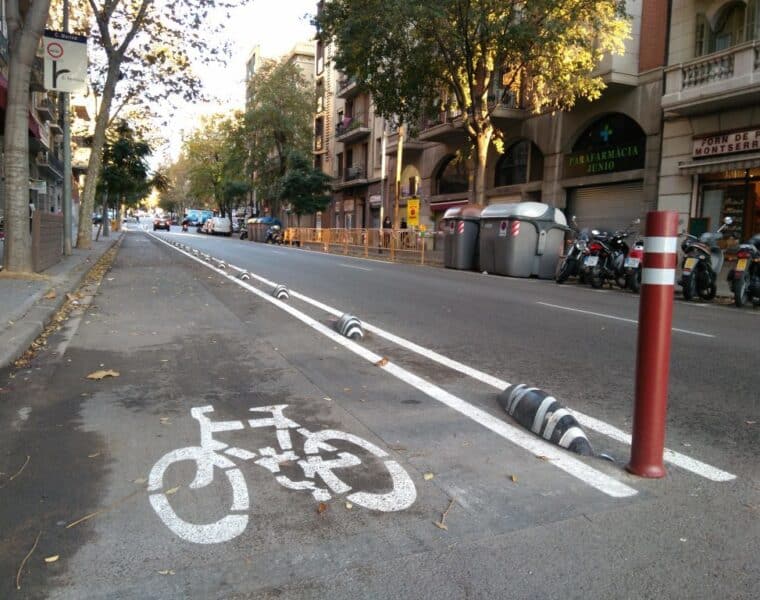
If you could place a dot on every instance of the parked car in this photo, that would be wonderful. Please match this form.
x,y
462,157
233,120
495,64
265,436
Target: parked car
x,y
217,226
162,223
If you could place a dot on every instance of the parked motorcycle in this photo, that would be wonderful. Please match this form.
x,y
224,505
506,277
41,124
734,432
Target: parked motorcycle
x,y
745,277
184,226
633,266
606,257
572,264
243,233
702,261
274,235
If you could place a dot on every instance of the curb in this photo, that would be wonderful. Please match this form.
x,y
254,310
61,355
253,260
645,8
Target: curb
x,y
38,312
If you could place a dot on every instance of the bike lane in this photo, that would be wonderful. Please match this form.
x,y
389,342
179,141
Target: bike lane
x,y
183,338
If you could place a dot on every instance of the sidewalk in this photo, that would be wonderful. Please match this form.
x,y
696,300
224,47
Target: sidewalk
x,y
24,311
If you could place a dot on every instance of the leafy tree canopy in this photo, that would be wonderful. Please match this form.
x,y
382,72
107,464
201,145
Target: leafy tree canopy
x,y
279,121
411,54
306,189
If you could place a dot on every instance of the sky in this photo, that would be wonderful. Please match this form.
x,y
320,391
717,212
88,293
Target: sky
x,y
275,25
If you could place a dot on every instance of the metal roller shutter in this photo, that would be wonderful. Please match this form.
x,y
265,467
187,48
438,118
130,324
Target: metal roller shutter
x,y
606,207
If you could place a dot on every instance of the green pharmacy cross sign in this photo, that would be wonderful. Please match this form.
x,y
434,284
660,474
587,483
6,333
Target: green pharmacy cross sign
x,y
611,144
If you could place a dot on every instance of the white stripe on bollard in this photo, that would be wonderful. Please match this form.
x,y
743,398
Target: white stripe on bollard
x,y
654,276
660,245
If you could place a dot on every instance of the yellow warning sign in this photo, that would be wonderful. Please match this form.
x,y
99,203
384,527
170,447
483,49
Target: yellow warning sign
x,y
413,212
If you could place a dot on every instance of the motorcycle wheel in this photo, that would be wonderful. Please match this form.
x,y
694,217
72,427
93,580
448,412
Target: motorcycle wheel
x,y
689,284
564,271
596,278
634,281
709,292
741,291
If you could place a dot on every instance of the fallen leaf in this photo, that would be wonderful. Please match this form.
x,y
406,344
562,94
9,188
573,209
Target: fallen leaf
x,y
93,455
440,525
52,559
171,491
428,476
321,508
346,389
101,374
542,457
166,572
51,294
382,362
513,478
140,480
349,506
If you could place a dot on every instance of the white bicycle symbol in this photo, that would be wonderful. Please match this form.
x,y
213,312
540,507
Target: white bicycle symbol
x,y
212,453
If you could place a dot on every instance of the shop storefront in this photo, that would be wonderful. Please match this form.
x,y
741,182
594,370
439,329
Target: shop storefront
x,y
612,145
726,167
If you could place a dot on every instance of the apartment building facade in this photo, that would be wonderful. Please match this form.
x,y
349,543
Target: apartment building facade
x,y
711,103
599,161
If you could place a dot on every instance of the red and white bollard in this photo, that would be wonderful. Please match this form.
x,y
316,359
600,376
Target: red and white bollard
x,y
653,347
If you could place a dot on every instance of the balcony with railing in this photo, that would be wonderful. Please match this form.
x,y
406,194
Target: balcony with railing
x,y
347,87
43,105
49,164
444,126
352,129
715,81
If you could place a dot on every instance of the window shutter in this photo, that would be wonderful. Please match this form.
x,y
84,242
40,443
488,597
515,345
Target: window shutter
x,y
752,20
701,36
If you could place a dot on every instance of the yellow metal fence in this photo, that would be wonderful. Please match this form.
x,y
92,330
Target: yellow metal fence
x,y
398,245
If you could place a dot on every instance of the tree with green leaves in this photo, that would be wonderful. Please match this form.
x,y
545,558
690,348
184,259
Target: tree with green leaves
x,y
304,188
279,120
409,53
216,155
25,20
125,176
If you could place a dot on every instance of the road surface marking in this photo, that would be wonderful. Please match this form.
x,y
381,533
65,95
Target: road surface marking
x,y
680,460
353,267
614,318
559,458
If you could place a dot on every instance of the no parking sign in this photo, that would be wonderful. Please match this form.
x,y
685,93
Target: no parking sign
x,y
65,56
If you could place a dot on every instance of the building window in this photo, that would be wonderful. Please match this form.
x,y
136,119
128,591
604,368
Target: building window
x,y
340,164
452,177
379,152
737,22
522,162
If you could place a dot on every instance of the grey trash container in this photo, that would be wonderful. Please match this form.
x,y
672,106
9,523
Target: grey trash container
x,y
521,240
460,241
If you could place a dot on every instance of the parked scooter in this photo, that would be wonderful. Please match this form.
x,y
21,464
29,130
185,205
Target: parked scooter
x,y
633,266
184,225
606,257
274,235
745,277
572,264
703,260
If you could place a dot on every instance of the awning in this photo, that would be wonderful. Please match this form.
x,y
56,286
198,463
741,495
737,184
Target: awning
x,y
716,165
441,206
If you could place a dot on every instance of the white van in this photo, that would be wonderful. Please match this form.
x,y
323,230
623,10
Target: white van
x,y
218,226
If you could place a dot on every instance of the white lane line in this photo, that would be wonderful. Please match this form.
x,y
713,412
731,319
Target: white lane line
x,y
614,318
353,267
675,458
561,459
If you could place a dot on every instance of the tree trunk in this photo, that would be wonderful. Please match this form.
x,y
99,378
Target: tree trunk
x,y
482,142
84,235
23,41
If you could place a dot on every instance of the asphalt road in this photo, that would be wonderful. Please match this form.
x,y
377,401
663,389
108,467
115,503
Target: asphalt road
x,y
395,443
